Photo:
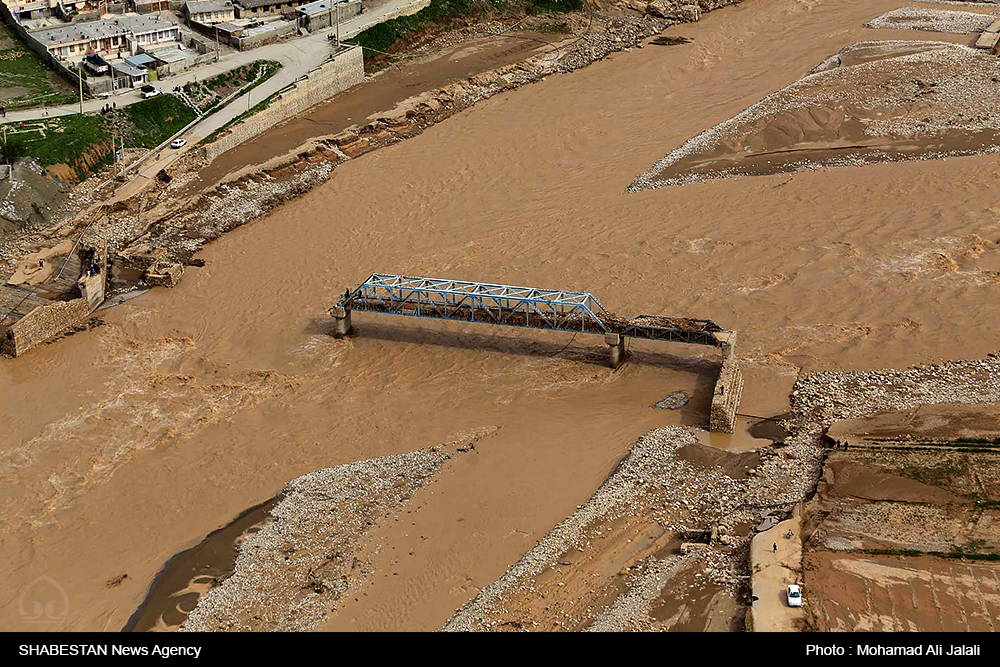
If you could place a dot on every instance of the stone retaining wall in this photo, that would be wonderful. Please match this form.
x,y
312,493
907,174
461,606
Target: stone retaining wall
x,y
48,321
728,390
320,84
41,324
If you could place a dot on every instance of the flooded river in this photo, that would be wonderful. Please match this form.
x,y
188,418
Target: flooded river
x,y
127,444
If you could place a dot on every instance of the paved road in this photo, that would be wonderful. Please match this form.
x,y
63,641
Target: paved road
x,y
297,56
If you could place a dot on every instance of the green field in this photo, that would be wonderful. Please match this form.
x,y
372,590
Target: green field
x,y
83,143
155,120
25,80
382,36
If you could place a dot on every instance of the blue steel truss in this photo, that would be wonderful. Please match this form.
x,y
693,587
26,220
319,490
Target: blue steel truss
x,y
487,303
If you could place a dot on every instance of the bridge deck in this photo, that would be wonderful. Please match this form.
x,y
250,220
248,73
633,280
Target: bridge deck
x,y
486,303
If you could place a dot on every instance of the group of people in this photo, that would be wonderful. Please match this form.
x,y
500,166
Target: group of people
x,y
108,108
774,546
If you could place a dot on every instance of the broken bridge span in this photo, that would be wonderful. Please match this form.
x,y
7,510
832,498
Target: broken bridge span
x,y
554,310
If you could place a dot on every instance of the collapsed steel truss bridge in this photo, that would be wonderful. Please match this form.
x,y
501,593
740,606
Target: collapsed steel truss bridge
x,y
486,303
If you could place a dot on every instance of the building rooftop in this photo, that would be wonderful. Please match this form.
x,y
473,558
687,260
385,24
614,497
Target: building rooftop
x,y
262,29
140,60
226,26
170,55
125,68
93,30
319,7
207,6
249,4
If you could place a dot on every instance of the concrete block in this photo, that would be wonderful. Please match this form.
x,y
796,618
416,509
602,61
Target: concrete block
x,y
92,285
141,257
988,40
691,547
728,390
342,320
164,274
994,27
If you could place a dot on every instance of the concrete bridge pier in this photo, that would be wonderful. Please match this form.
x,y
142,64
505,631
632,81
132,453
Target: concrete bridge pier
x,y
616,349
342,321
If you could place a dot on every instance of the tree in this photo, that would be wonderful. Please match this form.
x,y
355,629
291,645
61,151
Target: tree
x,y
13,149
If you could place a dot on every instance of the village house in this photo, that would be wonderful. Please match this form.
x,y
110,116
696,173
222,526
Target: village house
x,y
123,33
262,8
31,9
209,12
151,6
323,13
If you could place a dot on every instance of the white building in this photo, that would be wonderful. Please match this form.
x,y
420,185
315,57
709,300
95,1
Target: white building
x,y
123,33
208,12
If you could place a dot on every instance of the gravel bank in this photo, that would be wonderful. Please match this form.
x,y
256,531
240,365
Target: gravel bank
x,y
879,98
681,496
984,4
291,573
829,396
934,20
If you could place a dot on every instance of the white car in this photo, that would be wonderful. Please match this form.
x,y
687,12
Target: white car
x,y
177,143
794,594
149,91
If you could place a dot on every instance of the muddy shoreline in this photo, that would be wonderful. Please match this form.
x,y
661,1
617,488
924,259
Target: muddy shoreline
x,y
207,564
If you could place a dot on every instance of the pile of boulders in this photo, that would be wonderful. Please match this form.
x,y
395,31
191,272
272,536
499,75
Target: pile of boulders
x,y
164,274
666,9
680,11
829,396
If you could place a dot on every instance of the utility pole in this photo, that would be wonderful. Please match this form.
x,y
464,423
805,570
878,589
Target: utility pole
x,y
79,76
338,25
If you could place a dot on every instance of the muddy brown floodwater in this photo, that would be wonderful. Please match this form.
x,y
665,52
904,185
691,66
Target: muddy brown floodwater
x,y
127,444
381,93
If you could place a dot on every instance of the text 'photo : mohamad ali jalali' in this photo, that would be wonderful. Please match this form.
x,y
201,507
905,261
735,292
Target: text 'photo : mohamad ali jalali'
x,y
499,316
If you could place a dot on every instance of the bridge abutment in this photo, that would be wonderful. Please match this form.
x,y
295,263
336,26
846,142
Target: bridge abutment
x,y
616,349
728,388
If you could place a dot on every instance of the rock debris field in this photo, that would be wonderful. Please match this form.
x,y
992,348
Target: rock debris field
x,y
290,574
681,496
